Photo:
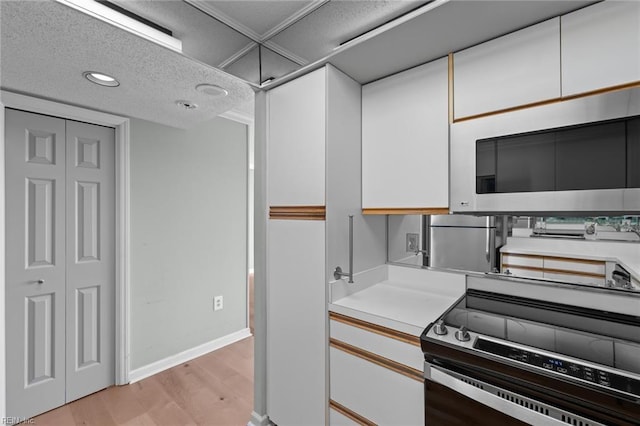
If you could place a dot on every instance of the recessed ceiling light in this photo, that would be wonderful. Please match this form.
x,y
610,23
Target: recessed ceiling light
x,y
212,90
186,104
101,79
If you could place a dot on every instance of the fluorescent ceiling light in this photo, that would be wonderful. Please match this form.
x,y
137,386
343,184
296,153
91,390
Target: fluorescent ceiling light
x,y
110,16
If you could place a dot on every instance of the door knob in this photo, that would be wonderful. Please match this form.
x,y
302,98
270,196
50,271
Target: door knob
x,y
40,281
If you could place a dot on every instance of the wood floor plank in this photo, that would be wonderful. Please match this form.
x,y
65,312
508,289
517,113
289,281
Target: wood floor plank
x,y
59,416
142,420
123,408
171,414
91,410
215,389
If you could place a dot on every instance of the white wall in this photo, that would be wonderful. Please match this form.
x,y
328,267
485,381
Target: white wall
x,y
188,236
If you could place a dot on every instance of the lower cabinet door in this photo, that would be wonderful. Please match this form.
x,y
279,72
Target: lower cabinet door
x,y
374,392
296,323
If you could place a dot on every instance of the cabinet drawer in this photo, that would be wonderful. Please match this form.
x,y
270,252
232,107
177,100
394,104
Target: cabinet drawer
x,y
381,395
522,260
527,273
577,266
573,278
338,417
405,353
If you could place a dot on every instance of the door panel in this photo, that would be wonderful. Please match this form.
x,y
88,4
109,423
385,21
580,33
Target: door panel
x,y
35,262
60,255
90,258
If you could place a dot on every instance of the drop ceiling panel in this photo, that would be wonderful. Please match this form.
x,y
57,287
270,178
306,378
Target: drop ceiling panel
x,y
451,27
203,37
275,65
259,15
247,67
45,47
316,35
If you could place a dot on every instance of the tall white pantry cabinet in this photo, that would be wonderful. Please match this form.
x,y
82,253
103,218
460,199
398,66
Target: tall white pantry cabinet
x,y
313,185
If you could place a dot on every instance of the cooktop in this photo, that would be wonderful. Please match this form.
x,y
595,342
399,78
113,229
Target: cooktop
x,y
601,348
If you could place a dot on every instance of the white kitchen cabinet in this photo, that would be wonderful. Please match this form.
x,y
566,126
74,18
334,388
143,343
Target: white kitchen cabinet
x,y
376,393
313,182
405,139
296,322
373,375
600,47
513,70
297,142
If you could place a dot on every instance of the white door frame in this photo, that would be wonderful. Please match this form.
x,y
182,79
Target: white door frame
x,y
247,119
122,317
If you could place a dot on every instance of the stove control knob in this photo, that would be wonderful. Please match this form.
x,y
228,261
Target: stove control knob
x,y
462,334
439,328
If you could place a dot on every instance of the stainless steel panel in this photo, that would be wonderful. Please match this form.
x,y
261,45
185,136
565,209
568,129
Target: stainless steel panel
x,y
462,248
577,111
461,220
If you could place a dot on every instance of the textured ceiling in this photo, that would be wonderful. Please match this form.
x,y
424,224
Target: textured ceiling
x,y
203,37
45,47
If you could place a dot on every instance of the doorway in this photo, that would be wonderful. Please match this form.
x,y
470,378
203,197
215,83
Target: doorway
x,y
120,205
60,260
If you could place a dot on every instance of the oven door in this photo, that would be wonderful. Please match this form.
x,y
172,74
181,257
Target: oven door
x,y
452,399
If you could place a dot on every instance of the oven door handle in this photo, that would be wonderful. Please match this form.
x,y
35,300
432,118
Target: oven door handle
x,y
509,408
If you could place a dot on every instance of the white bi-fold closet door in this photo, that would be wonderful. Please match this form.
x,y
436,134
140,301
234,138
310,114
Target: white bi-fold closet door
x,y
60,261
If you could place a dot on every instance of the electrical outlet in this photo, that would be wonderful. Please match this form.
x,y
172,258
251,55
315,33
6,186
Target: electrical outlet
x,y
217,303
412,242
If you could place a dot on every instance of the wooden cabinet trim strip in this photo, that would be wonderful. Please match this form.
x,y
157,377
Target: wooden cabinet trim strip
x,y
553,270
361,420
631,85
375,328
297,212
387,363
559,258
406,210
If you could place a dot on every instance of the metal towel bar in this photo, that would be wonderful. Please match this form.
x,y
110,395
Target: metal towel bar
x,y
337,273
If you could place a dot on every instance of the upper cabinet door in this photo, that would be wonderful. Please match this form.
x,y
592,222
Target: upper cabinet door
x,y
296,151
517,69
405,139
601,47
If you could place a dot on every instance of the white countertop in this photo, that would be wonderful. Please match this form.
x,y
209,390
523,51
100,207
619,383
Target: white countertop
x,y
408,299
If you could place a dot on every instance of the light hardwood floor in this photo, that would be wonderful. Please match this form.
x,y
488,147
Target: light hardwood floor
x,y
214,389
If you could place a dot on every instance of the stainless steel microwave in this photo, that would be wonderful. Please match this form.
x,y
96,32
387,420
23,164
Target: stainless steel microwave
x,y
576,156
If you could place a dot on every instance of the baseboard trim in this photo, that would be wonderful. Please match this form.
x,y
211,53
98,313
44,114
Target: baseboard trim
x,y
184,356
258,420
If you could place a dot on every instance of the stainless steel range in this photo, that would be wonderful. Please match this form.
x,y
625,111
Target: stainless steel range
x,y
497,358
